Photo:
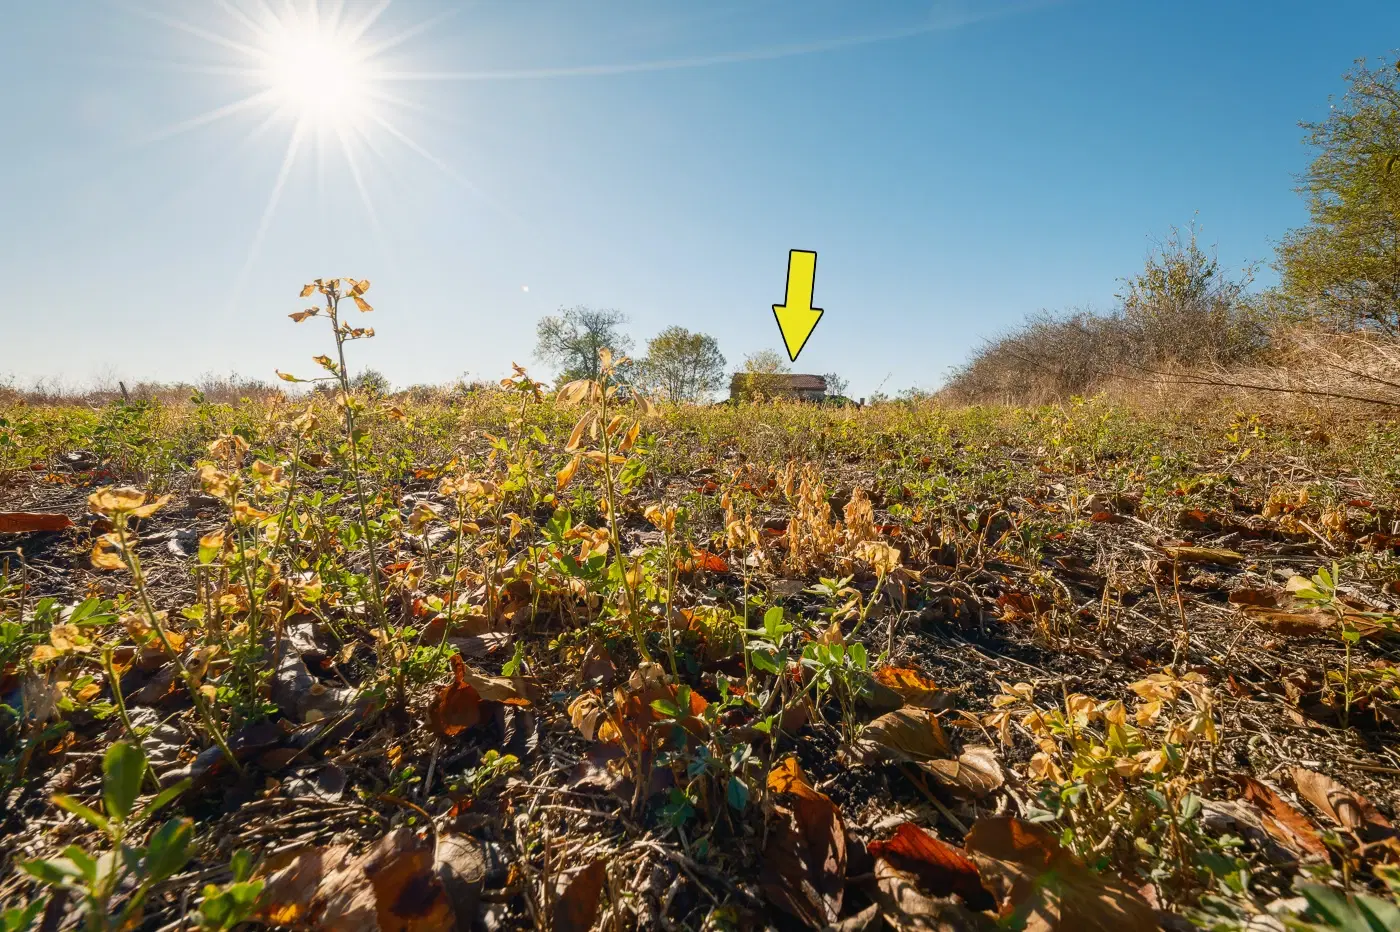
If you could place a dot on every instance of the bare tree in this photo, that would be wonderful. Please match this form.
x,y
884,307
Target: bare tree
x,y
571,340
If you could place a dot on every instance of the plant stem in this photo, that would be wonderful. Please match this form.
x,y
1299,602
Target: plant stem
x,y
133,564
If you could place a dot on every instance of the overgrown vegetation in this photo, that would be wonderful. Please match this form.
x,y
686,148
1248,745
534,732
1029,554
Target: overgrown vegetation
x,y
570,658
1183,321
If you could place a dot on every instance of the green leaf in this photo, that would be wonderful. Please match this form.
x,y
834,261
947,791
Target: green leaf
x,y
169,848
764,661
86,863
1357,913
738,794
666,707
241,864
18,920
857,654
773,623
78,809
57,872
226,908
122,770
163,798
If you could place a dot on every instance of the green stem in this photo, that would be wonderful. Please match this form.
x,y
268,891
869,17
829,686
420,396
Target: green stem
x,y
114,681
133,564
614,534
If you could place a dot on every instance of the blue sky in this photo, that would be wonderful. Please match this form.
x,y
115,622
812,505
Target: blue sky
x,y
956,165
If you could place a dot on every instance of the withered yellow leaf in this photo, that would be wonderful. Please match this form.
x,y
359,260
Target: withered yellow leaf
x,y
566,475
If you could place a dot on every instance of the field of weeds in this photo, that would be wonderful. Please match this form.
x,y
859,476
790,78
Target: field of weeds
x,y
566,659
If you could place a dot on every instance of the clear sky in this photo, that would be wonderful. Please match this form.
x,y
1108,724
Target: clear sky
x,y
956,165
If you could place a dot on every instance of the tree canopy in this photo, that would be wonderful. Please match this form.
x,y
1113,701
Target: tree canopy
x,y
1343,268
570,340
684,366
759,375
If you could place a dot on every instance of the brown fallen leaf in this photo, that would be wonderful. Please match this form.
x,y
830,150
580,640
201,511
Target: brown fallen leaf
x,y
976,771
24,522
909,734
1285,823
462,865
1211,555
1040,883
576,903
1347,808
804,863
457,707
1291,624
504,689
941,868
1259,598
906,908
392,888
1016,605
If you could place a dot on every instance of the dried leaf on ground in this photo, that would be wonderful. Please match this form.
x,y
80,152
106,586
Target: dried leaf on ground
x,y
1343,806
393,886
1016,605
804,863
1211,555
1291,624
577,898
976,771
504,689
1044,885
906,908
909,734
24,522
1285,823
458,706
941,868
461,867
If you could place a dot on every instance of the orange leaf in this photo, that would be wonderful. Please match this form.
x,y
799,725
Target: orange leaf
x,y
1281,820
708,561
941,868
912,686
458,706
23,522
804,864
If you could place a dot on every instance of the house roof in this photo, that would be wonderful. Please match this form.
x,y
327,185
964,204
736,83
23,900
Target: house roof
x,y
788,382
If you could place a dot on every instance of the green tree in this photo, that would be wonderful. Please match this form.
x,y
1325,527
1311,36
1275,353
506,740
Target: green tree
x,y
372,382
1183,309
761,375
683,366
1343,267
571,340
836,386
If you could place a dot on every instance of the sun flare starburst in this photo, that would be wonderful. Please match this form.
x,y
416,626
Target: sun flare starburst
x,y
319,73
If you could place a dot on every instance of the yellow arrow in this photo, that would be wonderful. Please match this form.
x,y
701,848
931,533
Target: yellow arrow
x,y
796,316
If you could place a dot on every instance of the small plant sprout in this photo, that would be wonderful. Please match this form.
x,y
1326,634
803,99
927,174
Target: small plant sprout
x,y
113,884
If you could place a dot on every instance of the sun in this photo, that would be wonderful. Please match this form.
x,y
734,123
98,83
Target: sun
x,y
320,74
